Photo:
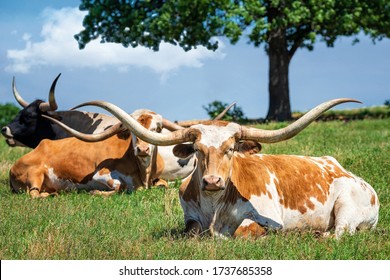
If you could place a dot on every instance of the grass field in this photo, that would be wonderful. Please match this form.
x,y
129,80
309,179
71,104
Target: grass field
x,y
148,224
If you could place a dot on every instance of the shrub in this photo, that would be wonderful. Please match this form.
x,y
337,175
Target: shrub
x,y
235,114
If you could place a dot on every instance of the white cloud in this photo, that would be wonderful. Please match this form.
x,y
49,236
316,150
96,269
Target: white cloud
x,y
59,48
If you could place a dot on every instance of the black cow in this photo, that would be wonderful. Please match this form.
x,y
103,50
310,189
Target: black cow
x,y
28,128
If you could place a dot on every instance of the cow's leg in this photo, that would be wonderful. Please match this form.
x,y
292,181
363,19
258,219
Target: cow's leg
x,y
323,234
103,193
45,194
356,206
250,229
193,228
160,183
346,217
105,178
35,184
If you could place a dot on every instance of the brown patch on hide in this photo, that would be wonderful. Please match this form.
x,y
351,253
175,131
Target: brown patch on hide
x,y
249,176
252,230
373,200
145,120
298,179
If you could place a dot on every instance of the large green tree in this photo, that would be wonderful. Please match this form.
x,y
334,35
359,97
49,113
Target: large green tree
x,y
281,26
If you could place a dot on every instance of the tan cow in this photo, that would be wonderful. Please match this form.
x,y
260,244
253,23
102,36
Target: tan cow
x,y
117,163
234,191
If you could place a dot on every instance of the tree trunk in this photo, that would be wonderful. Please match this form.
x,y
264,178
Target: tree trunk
x,y
279,60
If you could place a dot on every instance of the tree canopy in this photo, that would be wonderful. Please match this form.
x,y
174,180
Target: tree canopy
x,y
281,26
193,23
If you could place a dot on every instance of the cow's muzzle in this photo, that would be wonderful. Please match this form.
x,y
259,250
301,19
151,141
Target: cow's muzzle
x,y
9,138
6,131
213,183
142,151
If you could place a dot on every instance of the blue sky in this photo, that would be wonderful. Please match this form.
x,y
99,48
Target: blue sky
x,y
37,44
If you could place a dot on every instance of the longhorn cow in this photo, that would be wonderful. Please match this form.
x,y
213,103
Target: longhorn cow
x,y
120,162
233,191
29,127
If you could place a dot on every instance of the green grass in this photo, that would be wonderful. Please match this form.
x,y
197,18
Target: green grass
x,y
148,224
376,112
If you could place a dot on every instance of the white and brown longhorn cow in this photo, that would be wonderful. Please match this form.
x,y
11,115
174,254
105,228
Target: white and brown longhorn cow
x,y
235,191
120,162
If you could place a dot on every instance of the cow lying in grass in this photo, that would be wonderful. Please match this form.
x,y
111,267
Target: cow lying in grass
x,y
120,162
235,191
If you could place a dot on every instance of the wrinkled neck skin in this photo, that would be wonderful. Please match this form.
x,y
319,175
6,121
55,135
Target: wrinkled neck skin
x,y
200,206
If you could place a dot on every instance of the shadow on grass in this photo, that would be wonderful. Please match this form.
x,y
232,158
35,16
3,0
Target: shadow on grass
x,y
179,234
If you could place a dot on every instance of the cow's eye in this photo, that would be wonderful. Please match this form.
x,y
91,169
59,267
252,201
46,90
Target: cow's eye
x,y
230,151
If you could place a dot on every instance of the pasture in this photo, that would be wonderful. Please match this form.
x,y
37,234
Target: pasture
x,y
148,224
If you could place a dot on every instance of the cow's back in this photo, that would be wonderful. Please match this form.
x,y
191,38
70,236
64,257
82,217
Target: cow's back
x,y
86,122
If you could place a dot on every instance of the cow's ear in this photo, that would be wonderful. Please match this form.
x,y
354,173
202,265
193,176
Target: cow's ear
x,y
159,127
183,150
249,147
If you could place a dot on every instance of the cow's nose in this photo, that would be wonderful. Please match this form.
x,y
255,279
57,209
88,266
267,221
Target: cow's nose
x,y
213,183
143,150
4,130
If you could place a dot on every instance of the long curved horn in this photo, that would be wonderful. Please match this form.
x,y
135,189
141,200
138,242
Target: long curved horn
x,y
52,104
18,97
273,136
194,122
160,139
89,137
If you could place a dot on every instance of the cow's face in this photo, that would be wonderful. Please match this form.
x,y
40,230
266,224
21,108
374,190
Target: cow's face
x,y
152,122
215,147
28,128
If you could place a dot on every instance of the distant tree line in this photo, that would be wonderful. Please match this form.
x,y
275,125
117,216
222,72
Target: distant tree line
x,y
236,114
8,112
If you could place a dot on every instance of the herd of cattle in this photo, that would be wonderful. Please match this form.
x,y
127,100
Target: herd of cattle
x,y
228,188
